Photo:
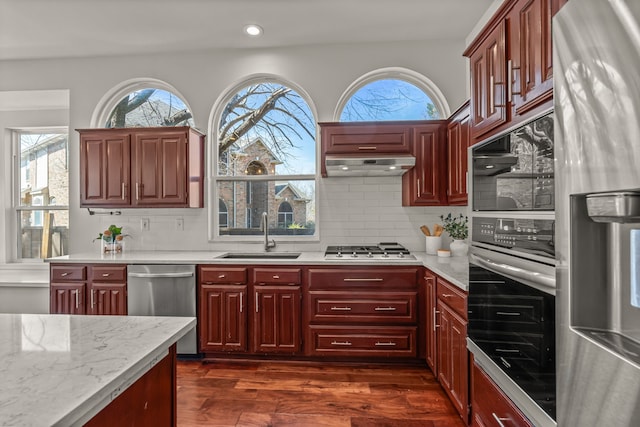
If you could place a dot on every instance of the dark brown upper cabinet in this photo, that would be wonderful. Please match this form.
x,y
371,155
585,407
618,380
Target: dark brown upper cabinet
x,y
142,167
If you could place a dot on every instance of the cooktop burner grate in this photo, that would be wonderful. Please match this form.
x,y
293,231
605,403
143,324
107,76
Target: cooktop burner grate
x,y
383,250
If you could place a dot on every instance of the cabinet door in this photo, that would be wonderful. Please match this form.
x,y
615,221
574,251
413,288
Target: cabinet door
x,y
459,365
159,168
491,407
431,320
67,298
224,318
458,140
107,299
531,70
425,183
104,169
276,319
453,359
488,86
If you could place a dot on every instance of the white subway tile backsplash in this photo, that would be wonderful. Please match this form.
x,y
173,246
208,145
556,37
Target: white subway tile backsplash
x,y
350,210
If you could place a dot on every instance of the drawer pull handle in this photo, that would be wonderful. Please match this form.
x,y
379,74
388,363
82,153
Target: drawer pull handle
x,y
345,343
77,299
349,279
499,420
447,295
508,313
367,147
435,322
221,276
106,274
385,309
241,305
385,344
340,308
64,274
92,290
275,276
507,350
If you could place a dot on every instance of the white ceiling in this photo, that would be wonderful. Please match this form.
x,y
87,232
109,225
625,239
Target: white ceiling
x,y
76,28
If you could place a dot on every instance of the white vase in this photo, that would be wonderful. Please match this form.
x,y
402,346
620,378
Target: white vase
x,y
459,248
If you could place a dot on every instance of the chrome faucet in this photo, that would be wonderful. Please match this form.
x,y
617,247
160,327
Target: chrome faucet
x,y
265,227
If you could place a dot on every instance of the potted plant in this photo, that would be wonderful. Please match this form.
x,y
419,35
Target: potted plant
x,y
457,228
111,240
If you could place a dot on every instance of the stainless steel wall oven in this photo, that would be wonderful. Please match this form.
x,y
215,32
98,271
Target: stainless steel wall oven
x,y
511,302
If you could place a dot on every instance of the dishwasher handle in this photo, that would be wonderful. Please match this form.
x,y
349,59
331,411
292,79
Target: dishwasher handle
x,y
161,275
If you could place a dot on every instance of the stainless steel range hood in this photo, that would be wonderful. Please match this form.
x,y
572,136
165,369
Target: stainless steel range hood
x,y
368,166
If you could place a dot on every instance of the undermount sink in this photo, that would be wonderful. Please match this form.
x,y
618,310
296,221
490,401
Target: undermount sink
x,y
261,255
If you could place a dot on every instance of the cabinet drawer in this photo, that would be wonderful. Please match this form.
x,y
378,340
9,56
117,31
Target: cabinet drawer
x,y
65,273
358,138
332,307
489,404
211,275
108,273
363,278
453,296
373,341
285,276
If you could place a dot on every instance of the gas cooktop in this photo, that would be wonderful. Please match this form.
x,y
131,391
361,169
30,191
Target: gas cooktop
x,y
384,250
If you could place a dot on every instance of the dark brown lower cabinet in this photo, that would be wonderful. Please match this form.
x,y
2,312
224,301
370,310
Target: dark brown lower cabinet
x,y
149,402
224,324
490,407
276,319
88,289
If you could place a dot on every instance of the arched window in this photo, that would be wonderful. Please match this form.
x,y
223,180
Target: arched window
x,y
223,214
285,215
266,138
149,107
392,94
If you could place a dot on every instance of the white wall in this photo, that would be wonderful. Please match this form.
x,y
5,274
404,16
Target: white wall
x,y
369,211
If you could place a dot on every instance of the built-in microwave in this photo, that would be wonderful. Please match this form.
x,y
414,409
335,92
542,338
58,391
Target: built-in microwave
x,y
514,172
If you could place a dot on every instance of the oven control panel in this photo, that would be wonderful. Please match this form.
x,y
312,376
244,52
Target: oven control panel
x,y
529,235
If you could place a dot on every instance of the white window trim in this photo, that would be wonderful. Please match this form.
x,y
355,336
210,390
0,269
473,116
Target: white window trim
x,y
396,73
110,99
12,254
214,119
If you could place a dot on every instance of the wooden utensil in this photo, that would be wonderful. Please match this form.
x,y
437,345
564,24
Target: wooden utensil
x,y
437,230
425,230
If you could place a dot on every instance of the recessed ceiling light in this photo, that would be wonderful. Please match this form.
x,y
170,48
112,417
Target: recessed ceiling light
x,y
253,30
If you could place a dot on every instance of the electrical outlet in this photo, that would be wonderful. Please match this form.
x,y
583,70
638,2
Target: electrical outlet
x,y
179,223
144,224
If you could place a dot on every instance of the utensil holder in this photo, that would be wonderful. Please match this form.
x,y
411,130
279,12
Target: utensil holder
x,y
433,243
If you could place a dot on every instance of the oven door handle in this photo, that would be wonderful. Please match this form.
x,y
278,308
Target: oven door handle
x,y
538,277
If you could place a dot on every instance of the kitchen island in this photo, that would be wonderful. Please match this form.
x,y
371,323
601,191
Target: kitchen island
x,y
61,370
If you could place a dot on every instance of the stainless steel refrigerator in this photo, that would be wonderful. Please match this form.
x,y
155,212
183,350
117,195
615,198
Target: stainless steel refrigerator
x,y
597,131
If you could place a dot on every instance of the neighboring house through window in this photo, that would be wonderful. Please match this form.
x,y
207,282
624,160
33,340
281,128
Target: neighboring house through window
x,y
42,200
266,143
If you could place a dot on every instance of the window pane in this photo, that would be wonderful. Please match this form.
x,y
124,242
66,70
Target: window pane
x,y
389,99
44,177
266,129
149,108
247,200
43,233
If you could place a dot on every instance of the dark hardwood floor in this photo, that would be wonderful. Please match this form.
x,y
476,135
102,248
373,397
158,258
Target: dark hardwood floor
x,y
301,394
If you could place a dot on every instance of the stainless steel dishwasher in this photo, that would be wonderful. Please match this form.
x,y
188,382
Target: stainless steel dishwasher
x,y
164,290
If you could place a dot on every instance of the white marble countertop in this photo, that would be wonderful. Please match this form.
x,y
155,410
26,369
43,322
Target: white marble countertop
x,y
60,370
454,269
